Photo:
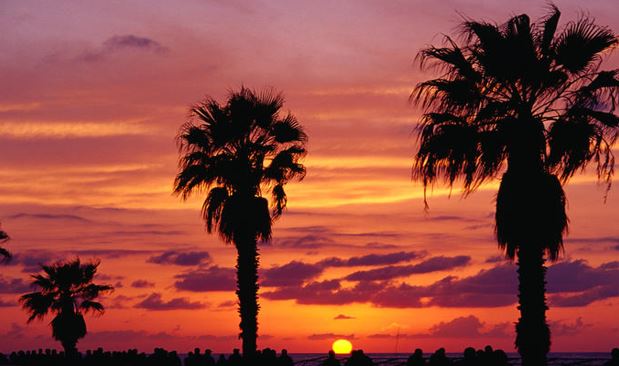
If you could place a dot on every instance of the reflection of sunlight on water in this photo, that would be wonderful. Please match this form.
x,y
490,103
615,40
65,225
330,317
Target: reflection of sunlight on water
x,y
393,359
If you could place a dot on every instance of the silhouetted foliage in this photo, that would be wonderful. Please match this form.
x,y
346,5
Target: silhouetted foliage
x,y
4,253
416,359
359,358
614,360
331,360
131,357
235,153
66,290
160,357
528,101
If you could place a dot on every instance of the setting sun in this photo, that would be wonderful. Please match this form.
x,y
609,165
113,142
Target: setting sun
x,y
342,346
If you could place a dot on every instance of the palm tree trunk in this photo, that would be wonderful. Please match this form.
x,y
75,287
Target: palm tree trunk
x,y
532,332
247,292
70,348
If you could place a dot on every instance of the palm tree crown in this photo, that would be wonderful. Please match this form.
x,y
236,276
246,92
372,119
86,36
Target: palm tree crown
x,y
65,289
236,151
522,95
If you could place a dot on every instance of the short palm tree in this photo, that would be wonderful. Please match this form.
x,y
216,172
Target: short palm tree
x,y
237,152
4,237
66,290
528,101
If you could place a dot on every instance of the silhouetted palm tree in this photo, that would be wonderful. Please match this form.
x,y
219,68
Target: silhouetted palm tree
x,y
524,97
237,152
4,237
66,290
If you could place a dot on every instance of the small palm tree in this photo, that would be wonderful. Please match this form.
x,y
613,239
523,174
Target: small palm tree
x,y
66,290
237,152
4,237
529,102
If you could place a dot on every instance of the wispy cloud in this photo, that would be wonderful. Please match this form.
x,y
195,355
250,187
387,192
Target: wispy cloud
x,y
121,43
75,129
155,301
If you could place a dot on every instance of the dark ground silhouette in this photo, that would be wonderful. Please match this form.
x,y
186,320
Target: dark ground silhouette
x,y
267,357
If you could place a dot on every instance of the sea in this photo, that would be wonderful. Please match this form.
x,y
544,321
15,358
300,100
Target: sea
x,y
399,359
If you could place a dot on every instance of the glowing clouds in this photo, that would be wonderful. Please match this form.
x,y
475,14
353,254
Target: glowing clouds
x,y
76,129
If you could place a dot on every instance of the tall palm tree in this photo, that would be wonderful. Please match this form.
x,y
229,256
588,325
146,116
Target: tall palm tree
x,y
4,237
237,152
528,101
66,290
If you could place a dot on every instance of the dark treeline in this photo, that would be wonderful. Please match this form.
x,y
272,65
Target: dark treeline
x,y
267,357
159,357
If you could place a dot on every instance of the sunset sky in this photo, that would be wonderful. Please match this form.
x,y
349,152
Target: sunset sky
x,y
93,93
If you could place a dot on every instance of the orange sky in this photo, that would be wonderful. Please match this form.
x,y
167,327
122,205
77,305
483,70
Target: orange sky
x,y
91,100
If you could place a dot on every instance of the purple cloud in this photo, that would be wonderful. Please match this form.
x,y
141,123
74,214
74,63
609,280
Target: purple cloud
x,y
489,288
227,304
296,273
13,285
390,272
190,258
373,259
47,216
142,284
32,260
207,279
326,292
122,43
560,328
290,274
343,317
309,241
495,259
154,301
461,327
572,283
133,41
467,327
576,283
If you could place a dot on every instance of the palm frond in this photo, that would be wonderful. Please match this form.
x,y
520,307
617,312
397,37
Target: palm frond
x,y
213,206
455,96
6,254
192,177
285,166
288,130
579,46
88,306
279,200
550,24
92,291
36,304
450,60
4,237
